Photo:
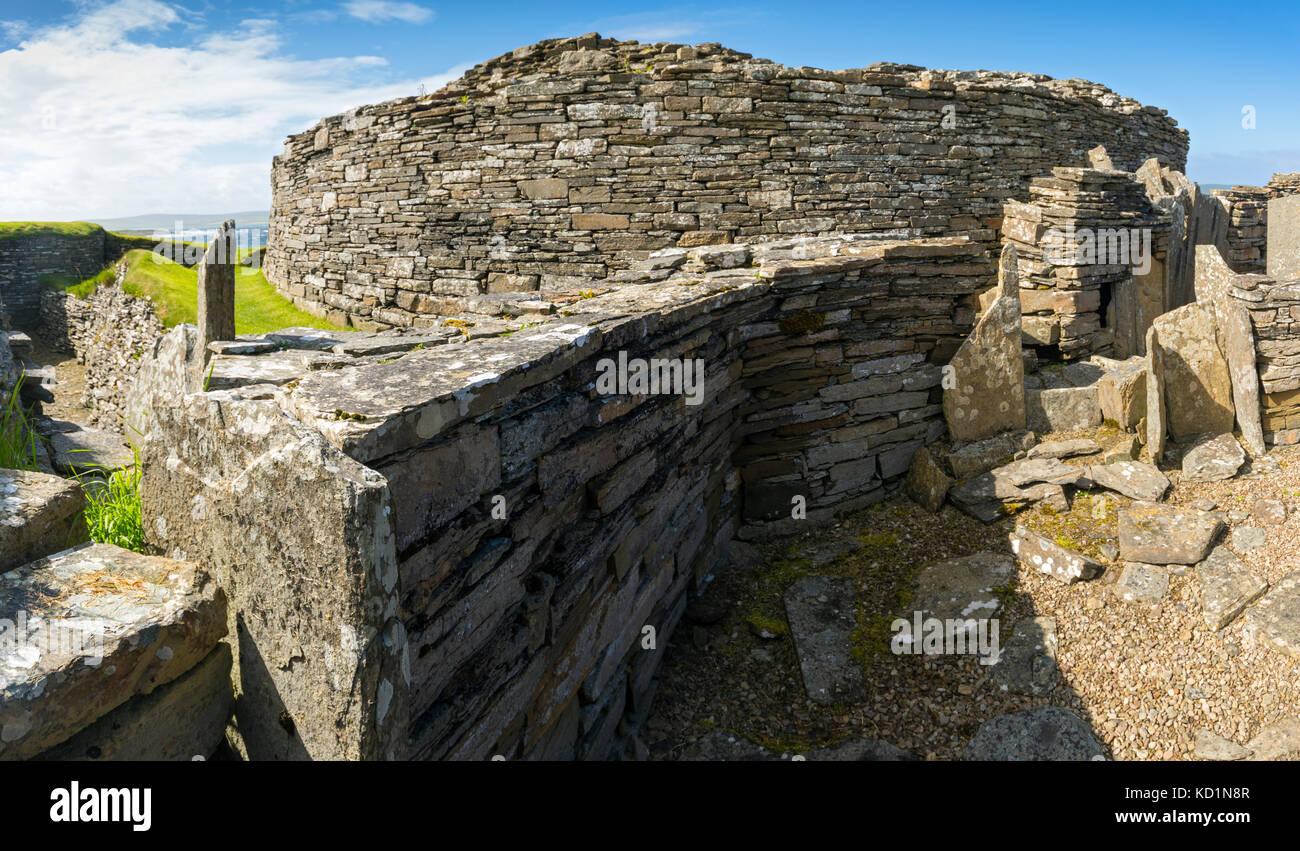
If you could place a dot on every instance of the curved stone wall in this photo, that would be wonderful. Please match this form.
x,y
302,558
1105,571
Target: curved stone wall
x,y
560,163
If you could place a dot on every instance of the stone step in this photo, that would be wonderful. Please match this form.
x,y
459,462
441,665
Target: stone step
x,y
39,514
89,450
90,628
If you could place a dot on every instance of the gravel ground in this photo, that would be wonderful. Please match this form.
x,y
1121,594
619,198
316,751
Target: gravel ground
x,y
1147,678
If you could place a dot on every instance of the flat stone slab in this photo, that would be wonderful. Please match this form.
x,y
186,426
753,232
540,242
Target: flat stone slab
x,y
822,613
1025,481
1133,479
1214,459
1046,556
39,514
90,450
385,344
1142,583
962,588
1276,741
1027,660
1065,448
1228,586
99,625
980,456
1269,512
1036,735
1276,620
1160,534
860,750
1212,746
176,722
280,367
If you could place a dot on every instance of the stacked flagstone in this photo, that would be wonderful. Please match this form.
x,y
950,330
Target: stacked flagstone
x,y
560,163
1247,226
1074,304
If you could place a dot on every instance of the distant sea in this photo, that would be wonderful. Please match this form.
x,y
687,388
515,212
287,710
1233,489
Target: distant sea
x,y
253,236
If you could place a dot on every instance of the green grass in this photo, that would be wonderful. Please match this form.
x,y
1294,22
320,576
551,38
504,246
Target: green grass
x,y
73,286
17,440
113,510
24,230
259,307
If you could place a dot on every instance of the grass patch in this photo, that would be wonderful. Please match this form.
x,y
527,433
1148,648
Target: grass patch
x,y
17,440
259,307
79,288
113,510
29,230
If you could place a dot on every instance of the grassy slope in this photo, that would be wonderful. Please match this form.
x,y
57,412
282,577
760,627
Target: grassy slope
x,y
259,307
13,230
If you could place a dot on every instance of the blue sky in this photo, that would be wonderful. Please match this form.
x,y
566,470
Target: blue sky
x,y
119,107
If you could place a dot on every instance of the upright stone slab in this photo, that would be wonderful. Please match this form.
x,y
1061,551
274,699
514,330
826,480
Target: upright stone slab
x,y
172,368
1282,254
1157,427
1122,393
1236,336
987,373
217,289
302,539
1098,157
1194,376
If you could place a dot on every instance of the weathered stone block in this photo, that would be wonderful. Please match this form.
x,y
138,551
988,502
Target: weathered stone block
x,y
99,625
39,514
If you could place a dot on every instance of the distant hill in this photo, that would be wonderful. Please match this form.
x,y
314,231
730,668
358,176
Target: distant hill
x,y
190,221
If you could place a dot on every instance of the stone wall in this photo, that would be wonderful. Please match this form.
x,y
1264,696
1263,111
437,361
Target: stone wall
x,y
524,526
25,258
1247,226
560,163
1248,220
1081,291
108,332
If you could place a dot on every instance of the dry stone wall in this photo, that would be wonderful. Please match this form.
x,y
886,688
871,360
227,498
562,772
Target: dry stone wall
x,y
562,162
24,259
532,521
1079,239
108,332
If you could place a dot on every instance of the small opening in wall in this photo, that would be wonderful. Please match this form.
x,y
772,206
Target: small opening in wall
x,y
1104,309
1048,354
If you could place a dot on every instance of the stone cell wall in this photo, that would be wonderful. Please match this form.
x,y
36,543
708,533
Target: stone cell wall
x,y
538,523
108,332
1082,293
24,259
559,163
1247,227
1248,220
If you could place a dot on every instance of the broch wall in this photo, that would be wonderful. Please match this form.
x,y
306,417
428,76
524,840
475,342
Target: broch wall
x,y
554,165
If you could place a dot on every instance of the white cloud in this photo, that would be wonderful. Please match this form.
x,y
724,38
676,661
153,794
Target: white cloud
x,y
376,11
97,121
